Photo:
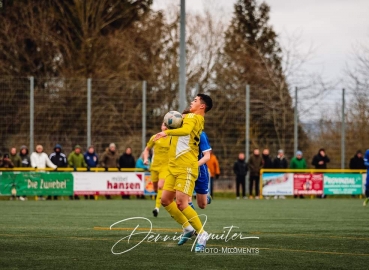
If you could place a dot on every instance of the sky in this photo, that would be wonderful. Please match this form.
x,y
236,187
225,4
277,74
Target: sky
x,y
331,27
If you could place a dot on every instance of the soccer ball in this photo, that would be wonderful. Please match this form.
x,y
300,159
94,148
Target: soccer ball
x,y
173,119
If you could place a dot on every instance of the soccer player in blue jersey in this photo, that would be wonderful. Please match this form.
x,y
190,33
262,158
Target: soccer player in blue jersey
x,y
366,163
202,183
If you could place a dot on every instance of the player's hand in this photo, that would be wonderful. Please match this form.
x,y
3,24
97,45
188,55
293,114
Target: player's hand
x,y
159,135
146,162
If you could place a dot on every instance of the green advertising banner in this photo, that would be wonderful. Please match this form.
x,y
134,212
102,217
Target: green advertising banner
x,y
338,183
36,183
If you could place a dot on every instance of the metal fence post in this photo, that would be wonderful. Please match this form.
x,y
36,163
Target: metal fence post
x,y
343,135
144,88
295,130
31,114
197,89
182,58
88,112
247,139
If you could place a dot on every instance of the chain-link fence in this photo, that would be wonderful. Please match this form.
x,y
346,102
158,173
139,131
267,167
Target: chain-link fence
x,y
90,111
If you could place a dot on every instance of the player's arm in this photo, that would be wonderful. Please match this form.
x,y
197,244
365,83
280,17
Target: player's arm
x,y
187,127
366,159
205,158
146,152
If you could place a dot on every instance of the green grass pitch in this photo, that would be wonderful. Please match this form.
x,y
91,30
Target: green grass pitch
x,y
293,234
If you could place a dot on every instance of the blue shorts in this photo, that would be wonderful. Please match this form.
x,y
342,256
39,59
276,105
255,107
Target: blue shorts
x,y
202,182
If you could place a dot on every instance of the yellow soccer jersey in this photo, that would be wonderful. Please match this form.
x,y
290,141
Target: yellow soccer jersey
x,y
184,147
160,152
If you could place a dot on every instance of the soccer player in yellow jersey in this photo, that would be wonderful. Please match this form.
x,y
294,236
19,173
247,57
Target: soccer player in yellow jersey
x,y
159,165
184,169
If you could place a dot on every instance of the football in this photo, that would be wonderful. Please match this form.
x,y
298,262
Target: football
x,y
173,119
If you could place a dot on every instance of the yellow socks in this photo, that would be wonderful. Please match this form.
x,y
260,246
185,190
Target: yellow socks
x,y
193,218
177,215
158,199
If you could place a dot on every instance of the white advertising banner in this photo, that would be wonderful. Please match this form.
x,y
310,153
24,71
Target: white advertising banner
x,y
277,184
109,183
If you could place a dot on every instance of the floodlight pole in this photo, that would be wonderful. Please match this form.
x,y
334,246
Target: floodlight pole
x,y
182,58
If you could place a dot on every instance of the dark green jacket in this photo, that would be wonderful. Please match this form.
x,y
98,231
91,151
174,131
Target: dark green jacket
x,y
16,160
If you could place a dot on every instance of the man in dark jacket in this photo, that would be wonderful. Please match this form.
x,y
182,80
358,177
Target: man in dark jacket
x,y
320,160
357,162
15,158
23,153
255,163
280,162
240,169
267,161
127,161
109,160
60,160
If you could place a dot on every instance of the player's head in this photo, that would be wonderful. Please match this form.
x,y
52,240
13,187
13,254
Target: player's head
x,y
163,127
201,104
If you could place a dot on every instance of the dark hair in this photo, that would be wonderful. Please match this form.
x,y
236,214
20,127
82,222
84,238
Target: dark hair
x,y
205,99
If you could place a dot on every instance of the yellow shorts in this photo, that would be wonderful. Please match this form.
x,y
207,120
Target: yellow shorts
x,y
181,179
158,175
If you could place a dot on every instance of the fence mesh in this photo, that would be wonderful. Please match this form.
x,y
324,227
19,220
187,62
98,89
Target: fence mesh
x,y
60,116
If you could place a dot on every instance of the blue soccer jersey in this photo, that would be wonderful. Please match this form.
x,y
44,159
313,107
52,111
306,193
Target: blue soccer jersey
x,y
366,163
202,182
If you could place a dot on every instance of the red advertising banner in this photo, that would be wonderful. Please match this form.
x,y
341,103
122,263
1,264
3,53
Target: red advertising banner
x,y
307,183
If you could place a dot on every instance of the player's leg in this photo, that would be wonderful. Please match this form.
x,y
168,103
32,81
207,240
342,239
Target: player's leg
x,y
184,188
155,180
167,200
202,188
366,190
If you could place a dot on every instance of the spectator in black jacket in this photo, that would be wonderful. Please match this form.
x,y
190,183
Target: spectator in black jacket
x,y
320,160
357,162
23,153
60,160
240,169
127,161
280,162
267,161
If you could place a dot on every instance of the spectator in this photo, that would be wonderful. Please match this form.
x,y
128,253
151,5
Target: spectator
x,y
255,163
298,162
240,169
140,165
357,162
23,154
109,160
6,162
267,161
320,160
91,157
39,160
15,158
280,162
76,159
60,160
127,161
213,166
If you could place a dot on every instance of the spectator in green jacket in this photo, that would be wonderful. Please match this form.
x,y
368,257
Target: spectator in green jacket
x,y
76,158
15,158
298,162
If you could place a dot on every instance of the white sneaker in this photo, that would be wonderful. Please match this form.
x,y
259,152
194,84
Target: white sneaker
x,y
245,198
201,241
238,198
257,198
22,198
275,197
